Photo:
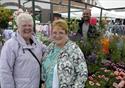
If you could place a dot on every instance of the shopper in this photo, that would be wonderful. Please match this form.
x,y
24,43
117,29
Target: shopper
x,y
56,16
21,56
64,65
86,30
7,34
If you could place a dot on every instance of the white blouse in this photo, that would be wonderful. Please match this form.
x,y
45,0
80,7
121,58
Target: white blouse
x,y
55,78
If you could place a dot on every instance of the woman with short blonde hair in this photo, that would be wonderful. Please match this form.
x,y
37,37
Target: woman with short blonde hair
x,y
64,65
61,23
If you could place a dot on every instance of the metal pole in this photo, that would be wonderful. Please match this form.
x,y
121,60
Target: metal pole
x,y
51,13
69,6
100,17
33,12
85,6
19,3
40,16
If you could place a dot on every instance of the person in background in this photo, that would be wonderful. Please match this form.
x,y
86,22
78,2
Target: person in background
x,y
110,25
64,65
85,28
21,56
7,34
56,16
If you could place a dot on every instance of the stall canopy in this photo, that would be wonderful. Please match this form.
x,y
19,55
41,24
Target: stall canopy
x,y
112,3
115,9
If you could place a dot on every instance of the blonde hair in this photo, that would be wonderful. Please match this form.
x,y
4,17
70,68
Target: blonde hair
x,y
61,23
24,17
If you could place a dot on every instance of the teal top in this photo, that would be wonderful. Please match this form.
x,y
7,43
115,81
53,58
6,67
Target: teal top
x,y
49,64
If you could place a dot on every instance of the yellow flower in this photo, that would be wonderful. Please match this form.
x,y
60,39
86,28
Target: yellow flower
x,y
91,83
98,84
106,78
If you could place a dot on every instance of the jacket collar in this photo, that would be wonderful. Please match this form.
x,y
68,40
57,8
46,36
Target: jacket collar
x,y
67,45
22,42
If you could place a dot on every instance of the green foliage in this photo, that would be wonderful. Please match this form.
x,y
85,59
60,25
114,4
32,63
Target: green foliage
x,y
96,32
87,47
92,68
102,26
123,51
4,17
100,57
111,81
73,25
40,37
115,50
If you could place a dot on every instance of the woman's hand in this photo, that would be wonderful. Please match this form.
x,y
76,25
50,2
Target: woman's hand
x,y
43,85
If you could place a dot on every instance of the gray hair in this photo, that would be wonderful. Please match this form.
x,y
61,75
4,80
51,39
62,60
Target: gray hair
x,y
24,17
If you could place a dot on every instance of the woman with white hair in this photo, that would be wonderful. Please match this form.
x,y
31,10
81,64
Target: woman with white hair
x,y
21,56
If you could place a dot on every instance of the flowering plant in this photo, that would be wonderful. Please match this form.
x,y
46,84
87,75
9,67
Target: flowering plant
x,y
103,78
5,17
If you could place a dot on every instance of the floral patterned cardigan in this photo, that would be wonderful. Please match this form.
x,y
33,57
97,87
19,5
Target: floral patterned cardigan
x,y
71,66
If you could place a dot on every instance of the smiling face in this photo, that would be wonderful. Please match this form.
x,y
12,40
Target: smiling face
x,y
59,36
26,29
87,15
25,26
60,32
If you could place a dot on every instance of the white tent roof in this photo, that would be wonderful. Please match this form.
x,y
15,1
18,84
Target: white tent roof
x,y
28,4
111,14
112,3
107,4
96,13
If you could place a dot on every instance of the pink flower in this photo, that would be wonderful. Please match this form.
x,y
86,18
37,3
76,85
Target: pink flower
x,y
115,85
99,76
93,21
90,78
103,76
121,84
119,78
